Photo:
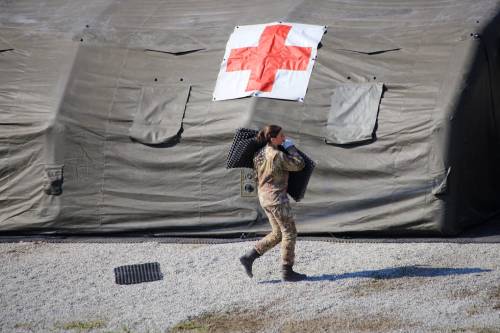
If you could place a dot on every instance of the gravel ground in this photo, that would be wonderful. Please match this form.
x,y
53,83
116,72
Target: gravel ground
x,y
443,287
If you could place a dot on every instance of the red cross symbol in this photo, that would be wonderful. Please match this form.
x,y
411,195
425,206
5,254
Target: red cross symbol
x,y
270,55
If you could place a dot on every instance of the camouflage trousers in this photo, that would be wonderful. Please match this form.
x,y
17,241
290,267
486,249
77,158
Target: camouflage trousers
x,y
283,230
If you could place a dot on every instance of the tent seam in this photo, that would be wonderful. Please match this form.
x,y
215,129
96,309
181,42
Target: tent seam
x,y
109,112
209,109
106,129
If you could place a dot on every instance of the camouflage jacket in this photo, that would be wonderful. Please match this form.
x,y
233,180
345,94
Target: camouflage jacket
x,y
271,168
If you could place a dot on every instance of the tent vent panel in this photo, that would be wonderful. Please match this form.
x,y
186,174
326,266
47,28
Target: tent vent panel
x,y
353,113
175,53
159,117
371,52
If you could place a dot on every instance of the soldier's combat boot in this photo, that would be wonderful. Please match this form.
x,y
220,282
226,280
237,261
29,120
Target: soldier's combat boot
x,y
288,274
247,261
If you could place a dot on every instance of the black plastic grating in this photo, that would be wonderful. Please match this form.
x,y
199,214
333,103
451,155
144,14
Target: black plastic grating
x,y
131,274
243,149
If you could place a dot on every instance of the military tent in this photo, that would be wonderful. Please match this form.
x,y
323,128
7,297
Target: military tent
x,y
400,115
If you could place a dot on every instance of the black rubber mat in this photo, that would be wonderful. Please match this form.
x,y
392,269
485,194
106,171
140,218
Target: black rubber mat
x,y
243,149
132,274
297,181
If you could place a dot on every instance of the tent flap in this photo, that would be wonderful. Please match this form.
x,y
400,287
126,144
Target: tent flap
x,y
160,114
353,113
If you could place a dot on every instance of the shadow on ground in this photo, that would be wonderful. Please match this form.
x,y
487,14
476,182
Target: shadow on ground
x,y
394,273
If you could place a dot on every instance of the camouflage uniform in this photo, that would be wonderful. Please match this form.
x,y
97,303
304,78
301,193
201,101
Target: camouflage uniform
x,y
272,167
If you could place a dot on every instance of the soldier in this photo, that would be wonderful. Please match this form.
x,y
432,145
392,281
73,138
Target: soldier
x,y
272,167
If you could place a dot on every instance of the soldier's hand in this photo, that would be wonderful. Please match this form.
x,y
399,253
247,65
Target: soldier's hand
x,y
288,143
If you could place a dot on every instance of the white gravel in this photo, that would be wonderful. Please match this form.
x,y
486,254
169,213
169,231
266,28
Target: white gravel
x,y
381,287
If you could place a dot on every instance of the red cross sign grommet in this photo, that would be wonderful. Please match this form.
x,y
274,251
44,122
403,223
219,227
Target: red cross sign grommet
x,y
273,60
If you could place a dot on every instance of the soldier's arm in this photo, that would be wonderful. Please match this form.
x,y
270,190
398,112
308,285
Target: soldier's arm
x,y
291,161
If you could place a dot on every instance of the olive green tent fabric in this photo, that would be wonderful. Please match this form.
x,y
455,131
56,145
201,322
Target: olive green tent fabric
x,y
72,82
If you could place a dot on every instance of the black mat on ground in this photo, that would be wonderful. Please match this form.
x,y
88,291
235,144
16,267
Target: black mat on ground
x,y
243,150
131,274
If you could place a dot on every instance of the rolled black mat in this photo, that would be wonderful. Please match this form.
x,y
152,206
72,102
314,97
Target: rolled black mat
x,y
243,149
297,181
131,274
